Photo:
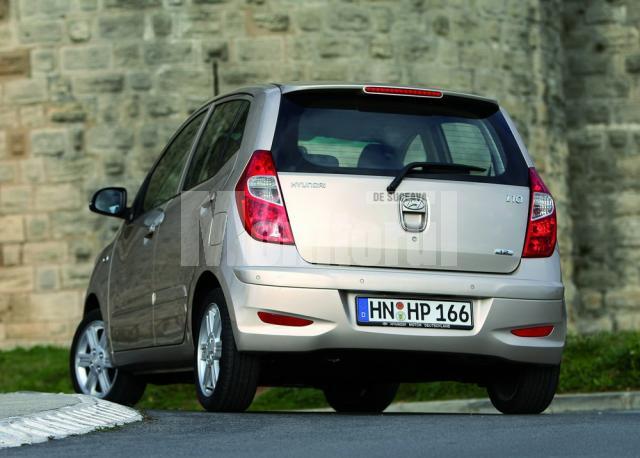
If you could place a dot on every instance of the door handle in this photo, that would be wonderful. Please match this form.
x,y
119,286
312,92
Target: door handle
x,y
152,221
150,232
210,200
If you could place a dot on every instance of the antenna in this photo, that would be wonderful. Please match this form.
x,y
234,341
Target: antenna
x,y
216,90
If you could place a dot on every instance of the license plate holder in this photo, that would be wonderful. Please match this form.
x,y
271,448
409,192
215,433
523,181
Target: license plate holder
x,y
435,313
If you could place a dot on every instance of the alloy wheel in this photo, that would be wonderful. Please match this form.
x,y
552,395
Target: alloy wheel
x,y
209,349
94,371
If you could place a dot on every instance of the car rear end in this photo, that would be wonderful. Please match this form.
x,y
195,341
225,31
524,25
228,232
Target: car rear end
x,y
453,269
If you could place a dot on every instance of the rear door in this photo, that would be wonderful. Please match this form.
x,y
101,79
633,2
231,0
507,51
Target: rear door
x,y
337,151
192,214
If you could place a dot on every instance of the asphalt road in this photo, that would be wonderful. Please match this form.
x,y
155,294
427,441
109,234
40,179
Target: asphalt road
x,y
186,434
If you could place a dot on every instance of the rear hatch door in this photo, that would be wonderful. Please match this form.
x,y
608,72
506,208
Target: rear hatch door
x,y
338,150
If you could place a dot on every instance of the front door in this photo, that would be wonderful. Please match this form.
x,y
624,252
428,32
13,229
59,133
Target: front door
x,y
131,284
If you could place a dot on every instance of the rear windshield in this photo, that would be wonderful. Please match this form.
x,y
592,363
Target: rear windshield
x,y
349,132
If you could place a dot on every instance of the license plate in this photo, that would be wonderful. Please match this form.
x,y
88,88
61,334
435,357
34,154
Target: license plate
x,y
415,313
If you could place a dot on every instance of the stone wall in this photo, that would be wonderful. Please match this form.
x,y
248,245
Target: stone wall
x,y
602,82
91,89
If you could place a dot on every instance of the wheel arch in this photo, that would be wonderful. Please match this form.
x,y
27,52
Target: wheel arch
x,y
206,282
91,303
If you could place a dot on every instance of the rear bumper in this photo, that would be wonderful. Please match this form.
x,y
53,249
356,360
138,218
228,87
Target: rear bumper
x,y
327,296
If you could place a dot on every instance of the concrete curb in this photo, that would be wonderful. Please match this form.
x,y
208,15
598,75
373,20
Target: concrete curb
x,y
77,414
562,403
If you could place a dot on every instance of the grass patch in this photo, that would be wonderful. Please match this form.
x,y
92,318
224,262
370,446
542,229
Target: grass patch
x,y
47,369
288,399
600,362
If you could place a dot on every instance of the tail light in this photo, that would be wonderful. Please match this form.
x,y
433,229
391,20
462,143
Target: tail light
x,y
542,226
260,203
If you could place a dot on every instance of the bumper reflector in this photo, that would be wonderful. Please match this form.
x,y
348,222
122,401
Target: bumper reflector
x,y
283,320
536,331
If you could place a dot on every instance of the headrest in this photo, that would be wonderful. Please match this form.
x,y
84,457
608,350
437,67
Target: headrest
x,y
378,156
323,159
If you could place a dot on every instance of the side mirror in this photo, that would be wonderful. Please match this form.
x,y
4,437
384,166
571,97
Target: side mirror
x,y
110,202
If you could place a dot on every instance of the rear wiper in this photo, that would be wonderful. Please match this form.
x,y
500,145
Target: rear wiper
x,y
431,167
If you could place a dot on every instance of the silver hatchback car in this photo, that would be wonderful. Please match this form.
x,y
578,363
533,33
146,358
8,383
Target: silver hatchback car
x,y
347,237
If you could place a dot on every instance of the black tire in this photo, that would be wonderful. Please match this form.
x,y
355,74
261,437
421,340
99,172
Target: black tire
x,y
238,377
360,398
524,389
126,388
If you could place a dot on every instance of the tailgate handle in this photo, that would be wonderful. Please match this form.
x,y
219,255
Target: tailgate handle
x,y
414,213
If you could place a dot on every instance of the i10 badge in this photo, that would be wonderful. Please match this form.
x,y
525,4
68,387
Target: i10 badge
x,y
515,198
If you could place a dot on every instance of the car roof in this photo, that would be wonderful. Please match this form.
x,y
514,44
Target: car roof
x,y
287,87
301,86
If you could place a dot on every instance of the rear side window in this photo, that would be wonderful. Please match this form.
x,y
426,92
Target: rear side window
x,y
346,131
468,144
416,152
164,180
220,140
